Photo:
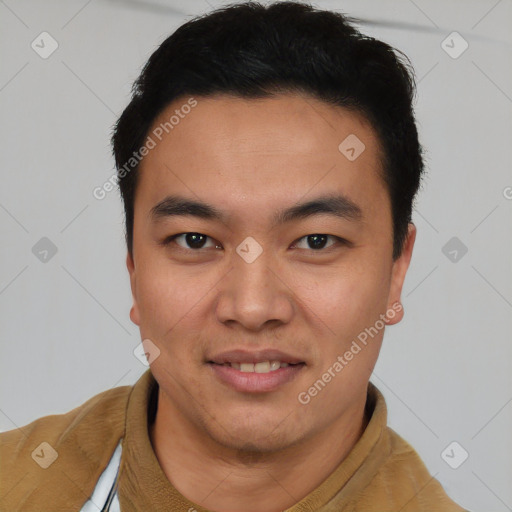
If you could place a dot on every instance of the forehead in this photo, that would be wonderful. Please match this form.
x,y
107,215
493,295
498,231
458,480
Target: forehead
x,y
257,154
294,122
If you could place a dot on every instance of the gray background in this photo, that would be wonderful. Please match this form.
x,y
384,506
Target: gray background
x,y
446,370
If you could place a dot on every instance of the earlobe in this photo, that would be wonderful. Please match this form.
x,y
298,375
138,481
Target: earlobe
x,y
134,311
395,311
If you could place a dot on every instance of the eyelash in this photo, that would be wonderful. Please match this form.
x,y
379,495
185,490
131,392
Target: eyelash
x,y
340,241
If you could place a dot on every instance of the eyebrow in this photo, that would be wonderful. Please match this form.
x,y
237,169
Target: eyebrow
x,y
335,205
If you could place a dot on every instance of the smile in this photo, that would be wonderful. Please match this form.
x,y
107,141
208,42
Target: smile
x,y
261,377
263,367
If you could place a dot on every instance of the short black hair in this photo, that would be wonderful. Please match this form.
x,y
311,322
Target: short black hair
x,y
251,50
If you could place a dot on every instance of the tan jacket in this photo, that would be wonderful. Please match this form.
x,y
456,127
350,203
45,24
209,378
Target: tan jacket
x,y
53,463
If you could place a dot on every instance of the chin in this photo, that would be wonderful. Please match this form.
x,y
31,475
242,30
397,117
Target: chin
x,y
253,448
260,437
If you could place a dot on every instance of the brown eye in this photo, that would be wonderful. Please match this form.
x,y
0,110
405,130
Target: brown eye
x,y
318,241
191,241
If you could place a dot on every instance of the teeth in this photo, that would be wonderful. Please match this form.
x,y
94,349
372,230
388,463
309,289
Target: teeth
x,y
263,367
275,365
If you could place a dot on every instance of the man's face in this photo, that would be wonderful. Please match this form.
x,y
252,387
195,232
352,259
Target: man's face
x,y
252,282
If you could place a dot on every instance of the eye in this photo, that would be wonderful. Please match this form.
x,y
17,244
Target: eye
x,y
317,241
192,241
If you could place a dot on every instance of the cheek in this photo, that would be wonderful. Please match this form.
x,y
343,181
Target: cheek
x,y
162,298
172,303
349,299
166,318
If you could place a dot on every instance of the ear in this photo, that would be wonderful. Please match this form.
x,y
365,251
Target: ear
x,y
134,311
398,272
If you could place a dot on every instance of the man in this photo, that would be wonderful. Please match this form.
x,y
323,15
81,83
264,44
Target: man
x,y
268,162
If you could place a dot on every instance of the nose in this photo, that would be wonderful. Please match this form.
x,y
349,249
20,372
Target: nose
x,y
254,295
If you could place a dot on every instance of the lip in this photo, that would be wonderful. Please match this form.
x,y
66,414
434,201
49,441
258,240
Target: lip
x,y
258,356
255,382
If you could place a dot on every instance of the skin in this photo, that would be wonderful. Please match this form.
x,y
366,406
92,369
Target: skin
x,y
251,158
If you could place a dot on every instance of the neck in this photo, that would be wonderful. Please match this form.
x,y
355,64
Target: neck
x,y
222,479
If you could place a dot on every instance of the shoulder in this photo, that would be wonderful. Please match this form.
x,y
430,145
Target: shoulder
x,y
55,452
406,482
107,408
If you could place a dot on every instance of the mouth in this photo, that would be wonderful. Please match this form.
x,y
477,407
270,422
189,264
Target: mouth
x,y
256,372
261,367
